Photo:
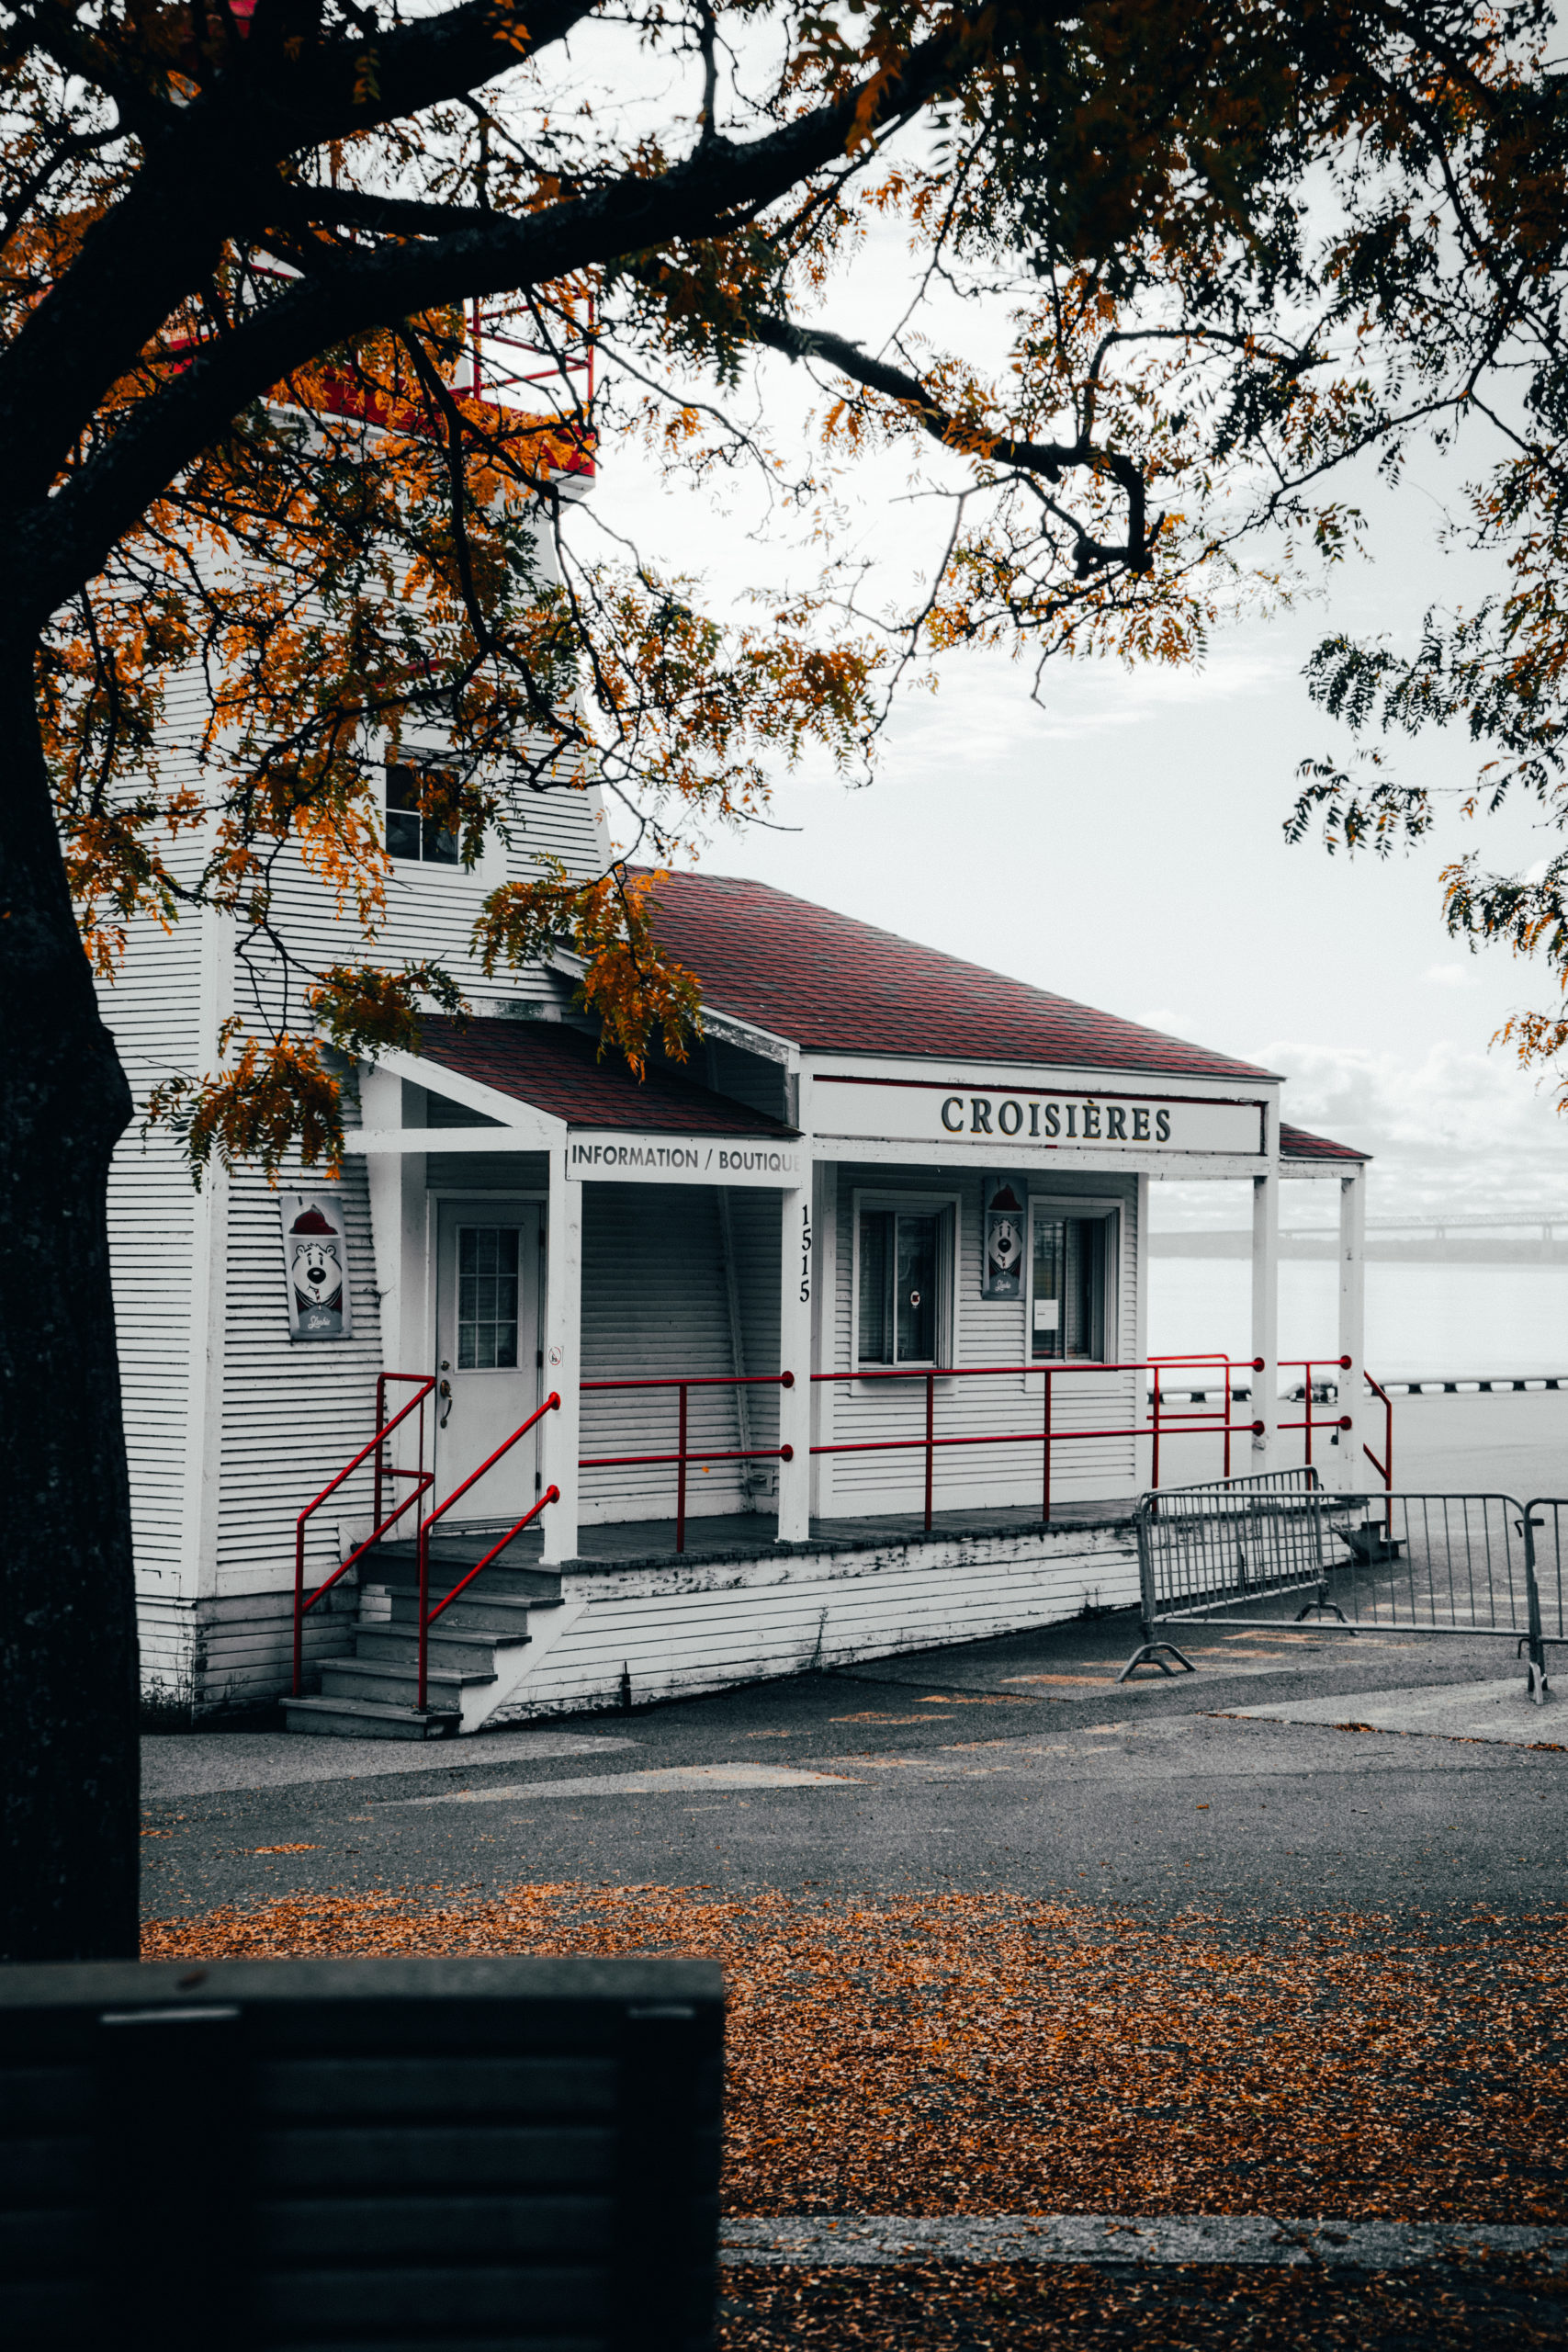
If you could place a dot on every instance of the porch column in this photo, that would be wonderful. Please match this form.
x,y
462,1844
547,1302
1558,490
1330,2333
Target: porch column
x,y
824,1284
1266,1315
563,1355
398,1229
796,1250
1354,1470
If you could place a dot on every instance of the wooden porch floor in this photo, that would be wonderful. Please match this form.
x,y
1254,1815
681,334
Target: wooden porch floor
x,y
751,1535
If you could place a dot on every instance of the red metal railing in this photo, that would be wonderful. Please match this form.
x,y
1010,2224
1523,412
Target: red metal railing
x,y
427,1616
560,364
1342,1420
1169,1420
683,1453
423,1480
1164,1419
1385,1467
1307,1366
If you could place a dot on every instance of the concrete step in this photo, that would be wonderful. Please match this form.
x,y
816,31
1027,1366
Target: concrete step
x,y
393,1685
366,1719
450,1560
479,1611
457,1652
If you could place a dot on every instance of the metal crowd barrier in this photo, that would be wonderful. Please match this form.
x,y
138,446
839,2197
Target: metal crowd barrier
x,y
1238,1551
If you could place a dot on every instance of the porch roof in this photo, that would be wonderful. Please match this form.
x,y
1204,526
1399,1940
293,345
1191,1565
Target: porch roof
x,y
557,1070
832,984
1295,1143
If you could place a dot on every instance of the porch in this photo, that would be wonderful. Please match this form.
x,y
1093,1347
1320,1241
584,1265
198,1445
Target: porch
x,y
472,1622
629,1622
736,1535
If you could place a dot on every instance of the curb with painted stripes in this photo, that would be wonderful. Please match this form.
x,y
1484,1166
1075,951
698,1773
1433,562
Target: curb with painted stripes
x,y
822,2241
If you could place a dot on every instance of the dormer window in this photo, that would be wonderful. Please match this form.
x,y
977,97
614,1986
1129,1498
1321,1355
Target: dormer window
x,y
411,832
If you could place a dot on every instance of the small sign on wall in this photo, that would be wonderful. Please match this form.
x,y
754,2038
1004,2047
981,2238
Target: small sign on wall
x,y
315,1263
1003,1222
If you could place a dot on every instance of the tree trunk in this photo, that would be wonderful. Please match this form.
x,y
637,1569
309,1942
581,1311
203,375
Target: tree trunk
x,y
68,1617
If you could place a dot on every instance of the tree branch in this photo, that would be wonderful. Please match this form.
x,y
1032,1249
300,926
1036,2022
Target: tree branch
x,y
68,536
1048,458
212,173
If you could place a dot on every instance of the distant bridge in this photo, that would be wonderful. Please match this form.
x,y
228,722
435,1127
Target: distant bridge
x,y
1536,1221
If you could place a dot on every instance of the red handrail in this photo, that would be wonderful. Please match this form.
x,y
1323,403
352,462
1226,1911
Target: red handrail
x,y
1385,1467
423,1480
683,1454
1309,1365
427,1616
1162,1419
1159,1364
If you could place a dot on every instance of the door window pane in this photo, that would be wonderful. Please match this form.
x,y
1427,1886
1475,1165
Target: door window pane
x,y
1068,1314
876,1286
916,1290
487,1297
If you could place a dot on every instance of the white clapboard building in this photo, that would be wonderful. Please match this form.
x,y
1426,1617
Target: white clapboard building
x,y
890,1198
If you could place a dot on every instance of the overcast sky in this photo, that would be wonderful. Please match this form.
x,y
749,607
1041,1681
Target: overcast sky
x,y
1124,846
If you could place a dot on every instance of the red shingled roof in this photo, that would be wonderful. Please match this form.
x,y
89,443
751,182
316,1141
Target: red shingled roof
x,y
833,985
556,1069
1296,1144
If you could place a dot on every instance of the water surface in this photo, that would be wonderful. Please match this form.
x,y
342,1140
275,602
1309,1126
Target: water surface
x,y
1423,1321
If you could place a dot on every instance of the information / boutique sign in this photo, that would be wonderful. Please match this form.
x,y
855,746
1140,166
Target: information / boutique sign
x,y
686,1160
904,1111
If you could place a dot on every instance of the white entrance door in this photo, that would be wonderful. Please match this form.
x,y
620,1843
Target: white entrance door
x,y
488,1292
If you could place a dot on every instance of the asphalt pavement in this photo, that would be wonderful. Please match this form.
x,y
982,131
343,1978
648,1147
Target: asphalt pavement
x,y
1295,1767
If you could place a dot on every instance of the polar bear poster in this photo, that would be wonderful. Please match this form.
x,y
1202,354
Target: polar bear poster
x,y
315,1258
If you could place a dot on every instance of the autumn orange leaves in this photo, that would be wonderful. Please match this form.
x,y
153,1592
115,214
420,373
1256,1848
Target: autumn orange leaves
x,y
984,2053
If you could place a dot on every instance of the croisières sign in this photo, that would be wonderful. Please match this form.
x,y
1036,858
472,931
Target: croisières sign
x,y
918,1111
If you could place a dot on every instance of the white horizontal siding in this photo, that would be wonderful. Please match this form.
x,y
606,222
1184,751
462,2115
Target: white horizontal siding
x,y
153,1009
431,910
231,1651
675,1635
754,1231
294,1412
655,1304
986,1332
290,1414
486,1171
760,1084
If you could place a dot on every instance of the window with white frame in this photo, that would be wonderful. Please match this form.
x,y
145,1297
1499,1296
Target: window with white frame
x,y
903,1268
1072,1284
420,800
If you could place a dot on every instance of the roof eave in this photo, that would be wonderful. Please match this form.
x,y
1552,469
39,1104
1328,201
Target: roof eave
x,y
1058,1068
728,1028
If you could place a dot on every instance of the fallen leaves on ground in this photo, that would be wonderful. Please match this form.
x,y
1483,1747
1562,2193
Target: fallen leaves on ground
x,y
953,2307
956,2052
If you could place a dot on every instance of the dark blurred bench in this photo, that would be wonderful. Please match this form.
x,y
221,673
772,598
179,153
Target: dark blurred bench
x,y
380,2154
